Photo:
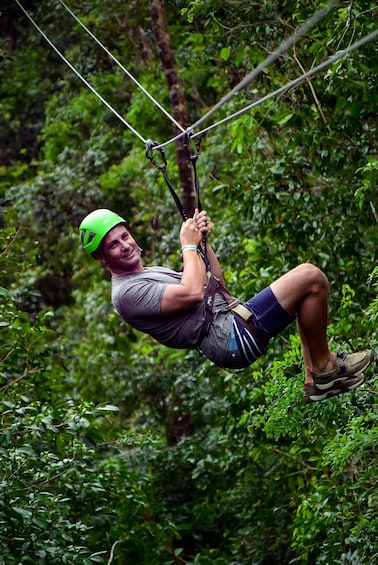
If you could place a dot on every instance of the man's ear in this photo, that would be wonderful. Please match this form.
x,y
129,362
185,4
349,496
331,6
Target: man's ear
x,y
99,256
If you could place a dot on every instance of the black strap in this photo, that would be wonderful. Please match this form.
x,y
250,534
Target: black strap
x,y
163,169
244,315
150,146
212,286
193,159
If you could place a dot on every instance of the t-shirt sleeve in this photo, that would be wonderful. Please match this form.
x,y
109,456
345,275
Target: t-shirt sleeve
x,y
141,300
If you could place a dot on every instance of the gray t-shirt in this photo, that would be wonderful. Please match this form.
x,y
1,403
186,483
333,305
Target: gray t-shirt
x,y
137,298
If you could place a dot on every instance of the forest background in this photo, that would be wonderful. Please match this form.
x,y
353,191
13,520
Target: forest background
x,y
117,450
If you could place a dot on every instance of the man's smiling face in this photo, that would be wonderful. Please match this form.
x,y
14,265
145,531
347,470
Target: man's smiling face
x,y
120,251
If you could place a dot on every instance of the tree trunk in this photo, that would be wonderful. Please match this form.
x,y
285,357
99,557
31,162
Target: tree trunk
x,y
176,95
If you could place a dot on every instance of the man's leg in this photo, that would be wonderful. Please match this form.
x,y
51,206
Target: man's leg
x,y
307,361
303,291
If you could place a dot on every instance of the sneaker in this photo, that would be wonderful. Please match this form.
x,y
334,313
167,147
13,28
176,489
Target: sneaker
x,y
346,365
313,394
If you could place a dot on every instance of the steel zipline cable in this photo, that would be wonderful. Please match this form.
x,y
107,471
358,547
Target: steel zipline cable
x,y
285,46
87,84
127,73
294,82
336,57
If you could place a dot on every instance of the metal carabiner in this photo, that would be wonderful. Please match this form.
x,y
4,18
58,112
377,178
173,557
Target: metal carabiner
x,y
150,146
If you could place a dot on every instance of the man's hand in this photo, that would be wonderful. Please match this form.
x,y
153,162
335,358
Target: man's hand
x,y
203,222
190,233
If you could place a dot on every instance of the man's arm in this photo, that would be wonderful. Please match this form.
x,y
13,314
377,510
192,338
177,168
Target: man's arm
x,y
190,291
214,263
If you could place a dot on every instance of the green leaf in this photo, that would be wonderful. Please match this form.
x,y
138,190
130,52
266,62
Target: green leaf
x,y
225,53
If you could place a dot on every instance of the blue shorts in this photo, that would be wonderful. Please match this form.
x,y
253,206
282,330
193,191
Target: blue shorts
x,y
268,316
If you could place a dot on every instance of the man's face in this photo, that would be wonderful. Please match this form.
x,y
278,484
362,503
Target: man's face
x,y
121,252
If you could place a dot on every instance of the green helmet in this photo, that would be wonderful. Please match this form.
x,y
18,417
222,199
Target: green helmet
x,y
95,226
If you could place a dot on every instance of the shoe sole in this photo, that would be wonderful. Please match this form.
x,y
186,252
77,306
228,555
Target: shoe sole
x,y
340,379
311,398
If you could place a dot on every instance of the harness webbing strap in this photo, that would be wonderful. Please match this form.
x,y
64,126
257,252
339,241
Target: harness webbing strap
x,y
180,207
150,145
242,311
193,160
213,285
244,315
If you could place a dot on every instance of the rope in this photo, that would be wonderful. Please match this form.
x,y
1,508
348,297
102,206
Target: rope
x,y
282,89
91,88
153,100
295,82
285,46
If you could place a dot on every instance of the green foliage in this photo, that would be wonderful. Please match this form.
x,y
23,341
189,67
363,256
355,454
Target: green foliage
x,y
48,474
113,448
369,174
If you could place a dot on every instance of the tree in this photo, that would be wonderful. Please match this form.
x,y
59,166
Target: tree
x,y
176,95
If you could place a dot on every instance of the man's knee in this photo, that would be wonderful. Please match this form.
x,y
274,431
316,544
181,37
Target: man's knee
x,y
314,276
294,286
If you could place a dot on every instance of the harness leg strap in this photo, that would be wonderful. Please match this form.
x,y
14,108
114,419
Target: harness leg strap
x,y
245,316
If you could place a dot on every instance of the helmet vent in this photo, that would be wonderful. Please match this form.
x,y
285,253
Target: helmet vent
x,y
92,234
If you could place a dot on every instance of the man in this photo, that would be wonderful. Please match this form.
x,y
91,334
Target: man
x,y
173,307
